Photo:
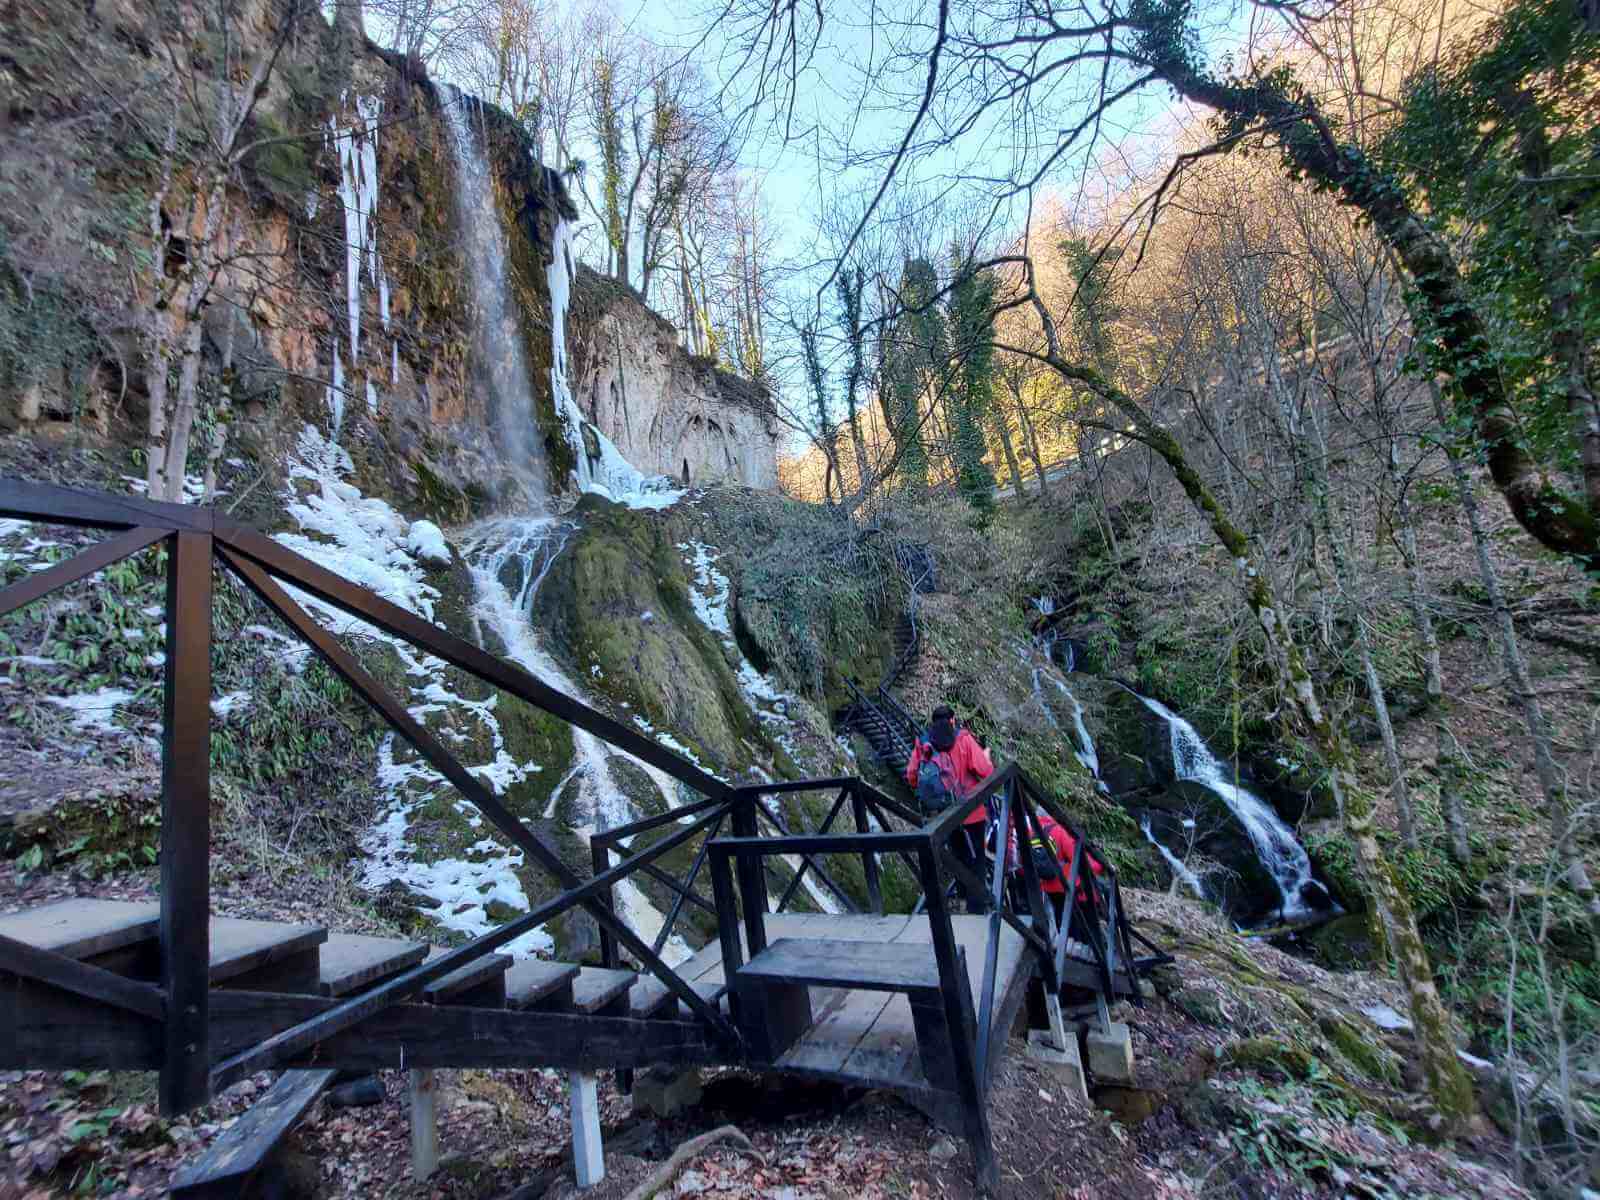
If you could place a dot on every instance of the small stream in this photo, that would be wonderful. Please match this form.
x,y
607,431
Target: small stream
x,y
1301,897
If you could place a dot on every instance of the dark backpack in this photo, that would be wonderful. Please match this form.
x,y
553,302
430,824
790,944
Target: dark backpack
x,y
1045,863
936,783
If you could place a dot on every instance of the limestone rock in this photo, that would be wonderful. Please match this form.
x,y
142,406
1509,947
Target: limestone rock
x,y
667,412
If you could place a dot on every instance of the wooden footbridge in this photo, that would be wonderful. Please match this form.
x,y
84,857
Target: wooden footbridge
x,y
921,1002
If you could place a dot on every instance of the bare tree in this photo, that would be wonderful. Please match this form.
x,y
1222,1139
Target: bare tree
x,y
187,249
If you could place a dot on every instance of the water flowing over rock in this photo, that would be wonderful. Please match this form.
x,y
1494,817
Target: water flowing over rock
x,y
497,325
1277,847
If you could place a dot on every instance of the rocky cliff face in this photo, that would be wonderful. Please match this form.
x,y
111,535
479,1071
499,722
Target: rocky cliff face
x,y
345,295
669,413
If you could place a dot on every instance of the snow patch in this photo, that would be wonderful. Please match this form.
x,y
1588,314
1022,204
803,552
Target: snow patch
x,y
94,711
426,541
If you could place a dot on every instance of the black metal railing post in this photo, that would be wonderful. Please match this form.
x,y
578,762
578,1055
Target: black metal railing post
x,y
869,860
955,993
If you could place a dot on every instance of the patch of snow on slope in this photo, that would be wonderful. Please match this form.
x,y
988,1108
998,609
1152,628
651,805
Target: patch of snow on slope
x,y
362,539
710,596
94,710
427,542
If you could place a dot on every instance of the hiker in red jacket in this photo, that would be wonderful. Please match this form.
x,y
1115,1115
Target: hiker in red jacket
x,y
962,765
1061,848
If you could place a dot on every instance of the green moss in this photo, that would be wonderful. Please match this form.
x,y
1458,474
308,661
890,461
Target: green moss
x,y
1272,1055
1368,1055
620,601
437,498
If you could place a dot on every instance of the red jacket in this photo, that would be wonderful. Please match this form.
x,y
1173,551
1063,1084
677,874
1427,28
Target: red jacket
x,y
972,766
1065,844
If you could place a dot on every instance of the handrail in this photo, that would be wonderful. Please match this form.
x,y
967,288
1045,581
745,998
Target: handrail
x,y
199,540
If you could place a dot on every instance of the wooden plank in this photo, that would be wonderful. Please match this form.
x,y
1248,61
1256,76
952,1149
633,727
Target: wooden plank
x,y
713,992
837,963
240,947
840,1020
86,562
84,928
533,983
56,505
186,824
43,1028
82,979
649,998
598,989
350,961
470,983
235,1157
887,1053
426,1035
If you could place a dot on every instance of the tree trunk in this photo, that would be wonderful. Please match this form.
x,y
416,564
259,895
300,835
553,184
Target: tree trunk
x,y
1030,441
1405,529
1449,763
1003,428
1391,749
1563,842
1440,297
1448,1084
223,414
197,297
1327,507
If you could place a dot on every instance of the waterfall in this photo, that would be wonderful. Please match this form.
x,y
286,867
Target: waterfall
x,y
497,324
606,471
1179,868
527,546
533,544
1276,846
1084,749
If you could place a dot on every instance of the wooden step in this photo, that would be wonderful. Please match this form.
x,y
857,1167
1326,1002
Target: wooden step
x,y
601,991
243,1149
265,955
714,994
540,986
84,928
649,997
825,962
350,961
479,984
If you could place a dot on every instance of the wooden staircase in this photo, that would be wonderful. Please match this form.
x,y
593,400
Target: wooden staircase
x,y
122,937
206,1000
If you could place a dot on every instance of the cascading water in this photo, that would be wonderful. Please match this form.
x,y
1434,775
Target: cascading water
x,y
1276,846
497,325
525,548
1088,755
1179,868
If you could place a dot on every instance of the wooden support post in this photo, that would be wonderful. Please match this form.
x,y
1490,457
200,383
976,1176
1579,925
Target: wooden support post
x,y
186,826
956,995
588,1153
747,869
422,1089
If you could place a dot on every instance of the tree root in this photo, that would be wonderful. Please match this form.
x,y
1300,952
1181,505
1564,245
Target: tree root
x,y
668,1171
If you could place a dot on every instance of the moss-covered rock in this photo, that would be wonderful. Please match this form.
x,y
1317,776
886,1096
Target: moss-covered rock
x,y
622,615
